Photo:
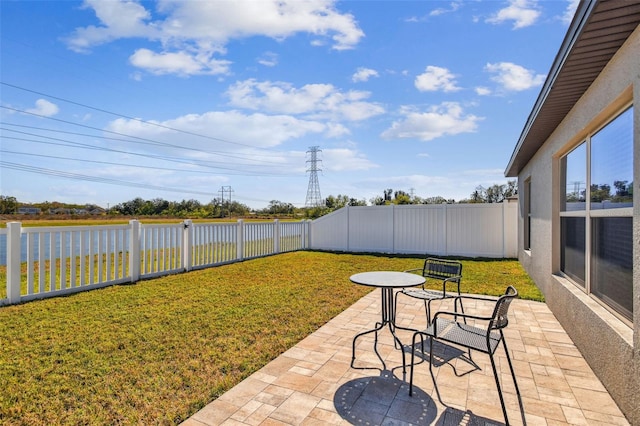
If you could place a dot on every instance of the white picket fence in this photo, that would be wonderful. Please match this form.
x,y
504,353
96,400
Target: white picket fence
x,y
50,261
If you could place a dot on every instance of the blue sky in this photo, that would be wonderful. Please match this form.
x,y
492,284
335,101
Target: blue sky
x,y
105,101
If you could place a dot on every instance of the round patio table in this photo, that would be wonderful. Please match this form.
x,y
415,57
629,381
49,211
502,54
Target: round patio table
x,y
386,281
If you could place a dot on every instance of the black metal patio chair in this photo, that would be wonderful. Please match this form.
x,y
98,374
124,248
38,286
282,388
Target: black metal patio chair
x,y
448,272
484,336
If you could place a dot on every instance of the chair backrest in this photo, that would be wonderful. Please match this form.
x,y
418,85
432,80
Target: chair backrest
x,y
499,317
441,269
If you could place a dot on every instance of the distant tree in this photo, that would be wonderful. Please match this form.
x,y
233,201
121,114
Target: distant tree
x,y
279,207
354,202
378,201
624,191
335,203
494,194
130,208
435,200
401,197
512,189
8,205
600,193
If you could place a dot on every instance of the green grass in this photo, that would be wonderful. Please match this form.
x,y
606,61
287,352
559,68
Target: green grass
x,y
157,351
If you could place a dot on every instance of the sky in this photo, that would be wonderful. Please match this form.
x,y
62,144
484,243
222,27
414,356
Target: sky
x,y
105,101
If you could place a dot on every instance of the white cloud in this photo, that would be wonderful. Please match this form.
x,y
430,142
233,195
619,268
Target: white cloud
x,y
268,59
523,13
119,19
514,77
570,11
453,6
447,118
363,74
190,33
242,130
482,91
436,78
45,108
345,159
181,63
316,101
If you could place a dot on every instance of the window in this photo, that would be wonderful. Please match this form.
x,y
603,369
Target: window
x,y
596,248
527,214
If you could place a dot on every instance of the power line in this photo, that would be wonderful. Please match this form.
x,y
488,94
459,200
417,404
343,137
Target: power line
x,y
77,176
199,163
139,140
138,166
128,117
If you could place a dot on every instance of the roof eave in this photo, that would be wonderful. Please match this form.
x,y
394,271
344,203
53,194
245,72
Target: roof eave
x,y
518,158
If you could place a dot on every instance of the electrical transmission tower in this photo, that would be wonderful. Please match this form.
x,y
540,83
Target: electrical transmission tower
x,y
313,191
228,190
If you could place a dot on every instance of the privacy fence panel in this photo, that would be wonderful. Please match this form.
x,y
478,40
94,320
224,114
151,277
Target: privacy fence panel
x,y
330,232
419,229
470,230
370,230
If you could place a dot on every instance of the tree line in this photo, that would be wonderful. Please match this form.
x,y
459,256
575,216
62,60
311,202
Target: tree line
x,y
218,208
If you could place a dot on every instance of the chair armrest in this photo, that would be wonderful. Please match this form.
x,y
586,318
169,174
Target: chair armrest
x,y
459,299
449,280
413,270
480,298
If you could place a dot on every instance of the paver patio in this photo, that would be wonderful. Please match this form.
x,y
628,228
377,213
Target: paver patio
x,y
314,384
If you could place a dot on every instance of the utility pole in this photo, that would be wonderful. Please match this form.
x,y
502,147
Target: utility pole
x,y
313,191
228,190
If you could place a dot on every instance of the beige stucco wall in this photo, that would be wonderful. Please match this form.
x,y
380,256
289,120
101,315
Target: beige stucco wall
x,y
610,346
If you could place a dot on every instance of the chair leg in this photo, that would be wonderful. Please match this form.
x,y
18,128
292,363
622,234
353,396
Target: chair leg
x,y
413,360
495,375
433,377
515,383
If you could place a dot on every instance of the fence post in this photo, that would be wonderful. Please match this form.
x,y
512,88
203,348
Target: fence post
x,y
134,250
276,236
187,245
306,234
240,240
14,248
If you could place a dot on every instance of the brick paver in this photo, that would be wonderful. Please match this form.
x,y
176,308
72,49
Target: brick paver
x,y
314,384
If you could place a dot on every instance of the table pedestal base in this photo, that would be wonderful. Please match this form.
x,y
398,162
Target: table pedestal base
x,y
388,319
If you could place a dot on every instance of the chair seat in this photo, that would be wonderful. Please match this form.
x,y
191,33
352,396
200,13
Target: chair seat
x,y
465,335
419,293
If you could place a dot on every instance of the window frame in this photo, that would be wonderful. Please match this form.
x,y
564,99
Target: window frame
x,y
527,214
588,213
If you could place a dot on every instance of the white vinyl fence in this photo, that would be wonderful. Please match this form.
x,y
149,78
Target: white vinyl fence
x,y
50,261
469,230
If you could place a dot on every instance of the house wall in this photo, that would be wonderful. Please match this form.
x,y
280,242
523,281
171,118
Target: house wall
x,y
608,344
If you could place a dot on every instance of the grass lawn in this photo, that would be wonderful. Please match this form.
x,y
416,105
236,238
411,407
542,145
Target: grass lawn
x,y
157,351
